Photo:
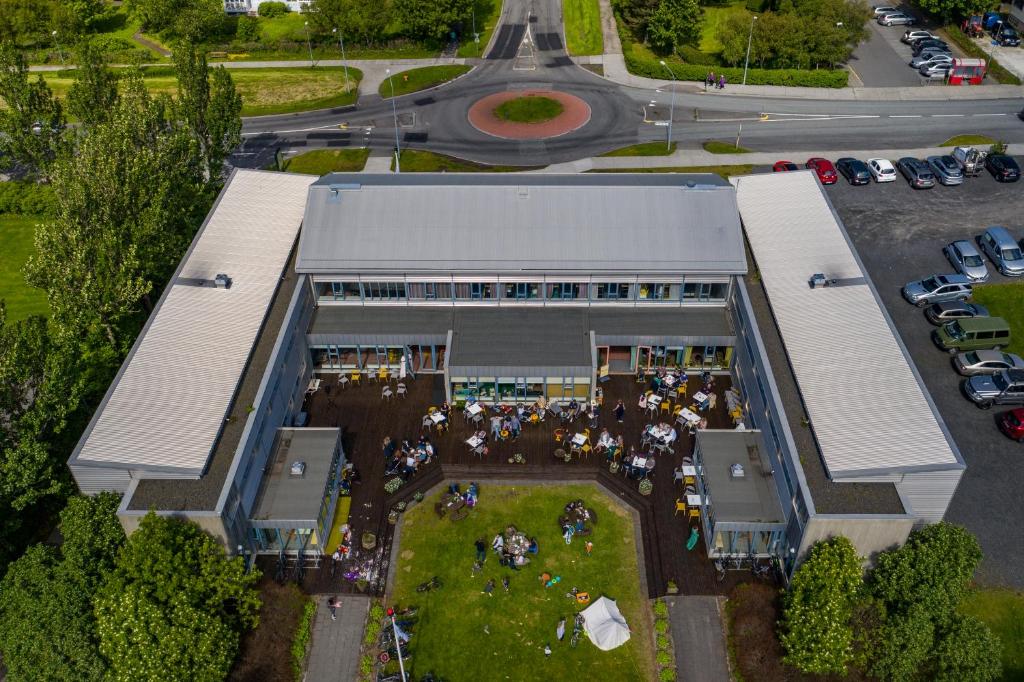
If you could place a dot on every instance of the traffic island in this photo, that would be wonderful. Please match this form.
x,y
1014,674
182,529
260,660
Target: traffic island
x,y
529,114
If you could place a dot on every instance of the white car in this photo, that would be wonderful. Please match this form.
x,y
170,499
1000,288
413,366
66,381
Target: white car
x,y
910,36
885,9
882,170
899,18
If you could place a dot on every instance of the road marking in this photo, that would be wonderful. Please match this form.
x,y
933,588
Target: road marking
x,y
989,114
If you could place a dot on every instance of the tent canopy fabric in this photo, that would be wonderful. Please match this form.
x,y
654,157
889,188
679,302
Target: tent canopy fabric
x,y
605,625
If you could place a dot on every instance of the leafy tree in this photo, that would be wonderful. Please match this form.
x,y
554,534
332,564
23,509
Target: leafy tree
x,y
674,24
365,22
24,20
248,29
175,606
967,650
31,120
950,10
636,14
192,19
903,644
816,630
75,17
92,536
91,98
432,19
272,9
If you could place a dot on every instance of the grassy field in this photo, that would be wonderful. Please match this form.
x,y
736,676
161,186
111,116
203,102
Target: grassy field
x,y
264,91
582,27
718,147
415,80
714,17
488,12
16,244
419,161
323,161
1003,611
724,171
1005,301
450,637
966,140
529,109
643,149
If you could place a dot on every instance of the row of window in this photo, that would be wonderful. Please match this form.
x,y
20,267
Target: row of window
x,y
522,291
520,389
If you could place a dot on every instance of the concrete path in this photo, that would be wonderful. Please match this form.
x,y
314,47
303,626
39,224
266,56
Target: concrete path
x,y
334,654
609,30
378,164
699,639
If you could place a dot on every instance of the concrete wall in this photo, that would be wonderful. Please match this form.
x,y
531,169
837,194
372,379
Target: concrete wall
x,y
208,521
869,535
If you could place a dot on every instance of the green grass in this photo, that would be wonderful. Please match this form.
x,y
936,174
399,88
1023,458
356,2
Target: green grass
x,y
529,109
303,633
487,14
1003,611
419,161
582,27
415,80
323,161
724,171
16,244
1005,301
714,17
718,147
967,140
290,27
643,149
449,637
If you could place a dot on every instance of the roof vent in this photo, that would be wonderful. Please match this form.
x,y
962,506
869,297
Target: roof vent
x,y
222,281
819,281
736,471
298,469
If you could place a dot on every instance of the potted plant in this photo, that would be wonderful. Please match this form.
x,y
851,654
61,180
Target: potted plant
x,y
614,466
393,516
646,486
672,588
418,497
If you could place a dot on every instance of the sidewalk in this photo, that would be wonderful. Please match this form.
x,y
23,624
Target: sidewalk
x,y
699,639
334,653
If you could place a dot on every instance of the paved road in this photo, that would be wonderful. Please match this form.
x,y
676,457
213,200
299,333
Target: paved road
x,y
699,639
881,60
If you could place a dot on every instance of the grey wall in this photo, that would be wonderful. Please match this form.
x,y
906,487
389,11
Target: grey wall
x,y
869,535
927,494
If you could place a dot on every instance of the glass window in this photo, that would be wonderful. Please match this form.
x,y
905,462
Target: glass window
x,y
383,291
705,291
612,291
429,291
657,292
521,291
566,291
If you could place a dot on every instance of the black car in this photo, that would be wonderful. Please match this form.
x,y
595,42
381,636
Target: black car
x,y
1002,167
928,43
917,172
854,170
1007,37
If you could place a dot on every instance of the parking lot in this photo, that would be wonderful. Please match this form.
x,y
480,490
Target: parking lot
x,y
899,234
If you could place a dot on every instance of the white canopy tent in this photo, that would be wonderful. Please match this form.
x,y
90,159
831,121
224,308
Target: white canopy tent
x,y
605,625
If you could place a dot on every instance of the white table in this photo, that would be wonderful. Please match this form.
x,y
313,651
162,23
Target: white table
x,y
701,397
689,416
669,381
653,400
693,501
689,470
579,439
314,385
474,442
437,417
474,409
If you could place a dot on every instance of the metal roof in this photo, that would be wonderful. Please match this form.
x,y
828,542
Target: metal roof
x,y
751,498
869,411
505,223
284,497
166,407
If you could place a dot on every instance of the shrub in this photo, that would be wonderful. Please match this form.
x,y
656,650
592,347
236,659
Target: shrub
x,y
121,49
661,626
755,6
27,198
272,9
692,55
248,29
302,636
663,658
820,78
997,148
662,641
366,666
667,675
376,612
660,609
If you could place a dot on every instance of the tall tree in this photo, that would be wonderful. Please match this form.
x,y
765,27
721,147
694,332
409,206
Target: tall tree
x,y
359,21
967,650
31,120
953,10
675,23
432,19
93,95
192,19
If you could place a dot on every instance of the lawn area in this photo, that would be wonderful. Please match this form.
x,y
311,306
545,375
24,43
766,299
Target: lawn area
x,y
415,80
718,147
323,161
643,149
1003,611
582,27
724,171
529,109
419,161
488,12
16,243
450,638
264,91
1005,301
967,140
715,16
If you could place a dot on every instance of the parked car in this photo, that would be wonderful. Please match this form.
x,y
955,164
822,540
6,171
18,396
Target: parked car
x,y
966,260
910,35
946,169
929,58
854,170
1004,388
1012,424
1004,251
1002,167
882,170
928,44
896,19
1006,36
941,313
971,160
782,166
977,333
917,172
885,9
824,169
923,292
986,362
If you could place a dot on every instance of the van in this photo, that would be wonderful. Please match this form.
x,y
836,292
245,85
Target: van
x,y
978,333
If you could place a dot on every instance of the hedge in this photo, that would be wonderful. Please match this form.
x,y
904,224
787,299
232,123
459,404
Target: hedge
x,y
821,78
303,633
995,69
26,198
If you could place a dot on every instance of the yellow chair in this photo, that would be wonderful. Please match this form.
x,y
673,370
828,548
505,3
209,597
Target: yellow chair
x,y
680,507
587,433
681,391
382,374
689,480
431,410
664,406
677,410
586,449
356,377
694,513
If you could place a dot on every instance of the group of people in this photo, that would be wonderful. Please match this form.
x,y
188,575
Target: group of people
x,y
507,426
512,548
608,445
345,548
404,459
710,81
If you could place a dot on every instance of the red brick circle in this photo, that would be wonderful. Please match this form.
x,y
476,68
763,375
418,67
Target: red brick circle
x,y
575,114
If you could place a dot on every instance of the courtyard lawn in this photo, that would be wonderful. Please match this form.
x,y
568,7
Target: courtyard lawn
x,y
1003,611
16,243
323,161
1005,301
582,27
415,80
714,17
450,636
488,12
422,161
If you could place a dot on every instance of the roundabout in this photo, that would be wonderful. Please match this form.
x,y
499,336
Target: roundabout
x,y
529,114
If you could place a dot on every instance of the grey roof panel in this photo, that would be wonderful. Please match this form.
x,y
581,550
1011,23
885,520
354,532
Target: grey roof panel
x,y
296,498
520,338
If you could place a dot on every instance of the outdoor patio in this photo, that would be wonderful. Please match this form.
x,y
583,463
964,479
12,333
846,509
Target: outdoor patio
x,y
366,419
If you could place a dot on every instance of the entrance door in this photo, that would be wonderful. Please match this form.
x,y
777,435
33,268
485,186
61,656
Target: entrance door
x,y
643,358
603,362
410,366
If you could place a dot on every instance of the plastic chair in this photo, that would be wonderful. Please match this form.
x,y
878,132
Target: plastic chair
x,y
385,393
677,476
382,374
585,450
402,390
559,435
356,378
343,381
680,507
689,480
694,513
664,406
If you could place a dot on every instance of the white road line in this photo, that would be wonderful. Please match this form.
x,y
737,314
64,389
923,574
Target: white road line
x,y
989,114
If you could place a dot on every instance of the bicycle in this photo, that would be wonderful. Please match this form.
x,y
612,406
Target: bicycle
x,y
719,570
577,630
432,584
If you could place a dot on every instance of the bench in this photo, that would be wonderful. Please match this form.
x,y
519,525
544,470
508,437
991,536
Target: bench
x,y
459,514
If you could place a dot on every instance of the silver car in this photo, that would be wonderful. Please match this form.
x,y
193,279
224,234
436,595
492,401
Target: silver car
x,y
985,362
946,169
1003,388
967,260
999,245
935,70
930,58
896,18
941,313
937,288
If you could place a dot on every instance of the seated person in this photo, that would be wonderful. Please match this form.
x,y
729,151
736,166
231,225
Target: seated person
x,y
574,408
642,404
532,549
446,409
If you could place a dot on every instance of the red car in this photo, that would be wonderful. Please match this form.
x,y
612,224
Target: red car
x,y
1012,424
825,170
782,166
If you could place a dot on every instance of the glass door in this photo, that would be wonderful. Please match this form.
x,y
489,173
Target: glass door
x,y
643,358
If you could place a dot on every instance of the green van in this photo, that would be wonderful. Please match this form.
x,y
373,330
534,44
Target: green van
x,y
975,333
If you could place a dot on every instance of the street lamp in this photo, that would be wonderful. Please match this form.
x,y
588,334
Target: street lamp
x,y
394,113
750,38
671,107
309,44
344,62
476,36
59,51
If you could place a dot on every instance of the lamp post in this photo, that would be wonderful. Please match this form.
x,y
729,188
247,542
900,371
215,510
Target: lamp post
x,y
344,62
394,113
476,36
671,107
309,44
60,52
750,38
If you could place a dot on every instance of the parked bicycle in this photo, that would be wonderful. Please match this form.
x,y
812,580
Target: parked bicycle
x,y
577,630
719,570
432,584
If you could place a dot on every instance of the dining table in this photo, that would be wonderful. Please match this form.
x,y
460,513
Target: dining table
x,y
689,415
689,470
669,380
653,400
700,397
474,441
474,409
693,500
438,417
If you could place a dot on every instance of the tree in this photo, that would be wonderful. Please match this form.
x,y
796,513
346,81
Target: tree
x,y
816,630
432,19
31,120
675,23
967,650
902,645
272,9
175,605
357,20
91,98
248,29
75,17
92,537
24,20
192,19
953,10
636,14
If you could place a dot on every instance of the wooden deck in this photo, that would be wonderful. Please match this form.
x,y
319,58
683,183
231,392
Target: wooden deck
x,y
367,419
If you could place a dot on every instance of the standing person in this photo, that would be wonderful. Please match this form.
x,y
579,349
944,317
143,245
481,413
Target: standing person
x,y
496,427
389,448
332,604
481,550
489,587
620,411
515,426
721,82
595,412
711,78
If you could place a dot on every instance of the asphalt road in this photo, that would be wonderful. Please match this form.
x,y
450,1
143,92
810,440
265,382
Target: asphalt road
x,y
881,61
899,233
